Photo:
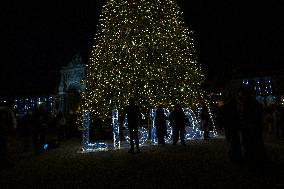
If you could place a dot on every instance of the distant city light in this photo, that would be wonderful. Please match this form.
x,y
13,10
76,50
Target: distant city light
x,y
245,82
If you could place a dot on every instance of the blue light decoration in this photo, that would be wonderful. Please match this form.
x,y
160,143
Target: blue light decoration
x,y
154,138
192,126
50,103
257,87
263,93
259,98
269,87
45,146
270,99
192,131
32,103
169,127
115,129
212,133
15,104
22,106
142,133
245,82
87,146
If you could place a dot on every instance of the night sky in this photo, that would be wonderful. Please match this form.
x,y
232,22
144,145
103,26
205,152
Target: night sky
x,y
41,37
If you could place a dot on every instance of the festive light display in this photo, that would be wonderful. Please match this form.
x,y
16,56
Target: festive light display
x,y
263,89
21,106
154,138
115,130
87,146
192,126
45,146
142,49
192,130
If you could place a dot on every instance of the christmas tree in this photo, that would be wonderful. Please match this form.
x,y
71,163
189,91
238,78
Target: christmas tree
x,y
143,49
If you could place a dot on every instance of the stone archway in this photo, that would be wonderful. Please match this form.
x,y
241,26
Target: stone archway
x,y
70,85
74,97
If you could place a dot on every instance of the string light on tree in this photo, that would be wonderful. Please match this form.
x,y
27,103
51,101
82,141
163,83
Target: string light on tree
x,y
142,49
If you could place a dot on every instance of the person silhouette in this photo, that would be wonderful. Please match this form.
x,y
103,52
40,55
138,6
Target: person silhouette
x,y
177,119
160,124
230,123
205,121
133,113
251,122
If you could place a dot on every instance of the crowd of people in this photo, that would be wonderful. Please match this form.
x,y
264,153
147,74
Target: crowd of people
x,y
177,119
242,118
37,130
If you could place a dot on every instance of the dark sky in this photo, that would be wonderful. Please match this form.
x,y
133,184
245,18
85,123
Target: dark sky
x,y
41,37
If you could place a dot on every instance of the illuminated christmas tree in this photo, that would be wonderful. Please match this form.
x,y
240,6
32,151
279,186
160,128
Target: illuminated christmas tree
x,y
143,49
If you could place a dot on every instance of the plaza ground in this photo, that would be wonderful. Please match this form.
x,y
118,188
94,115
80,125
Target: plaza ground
x,y
201,164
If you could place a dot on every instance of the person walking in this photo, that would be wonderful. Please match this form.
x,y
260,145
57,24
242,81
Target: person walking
x,y
177,119
133,113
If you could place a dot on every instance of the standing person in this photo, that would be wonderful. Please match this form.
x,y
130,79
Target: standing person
x,y
160,124
251,121
177,118
134,119
8,125
230,122
205,120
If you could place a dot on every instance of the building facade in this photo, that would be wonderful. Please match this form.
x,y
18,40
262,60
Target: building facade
x,y
70,87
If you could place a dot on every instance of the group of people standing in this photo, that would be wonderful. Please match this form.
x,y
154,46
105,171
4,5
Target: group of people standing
x,y
33,130
242,121
42,128
176,118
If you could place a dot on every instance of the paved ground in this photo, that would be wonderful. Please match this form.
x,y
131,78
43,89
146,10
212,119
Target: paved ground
x,y
201,164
